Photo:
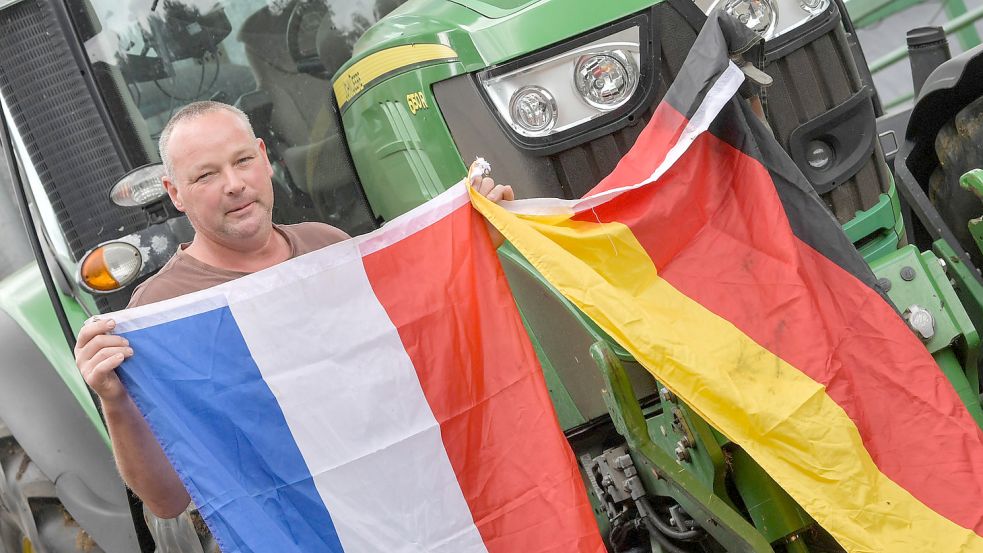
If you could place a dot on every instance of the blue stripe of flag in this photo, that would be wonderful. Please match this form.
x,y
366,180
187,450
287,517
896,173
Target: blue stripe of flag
x,y
222,429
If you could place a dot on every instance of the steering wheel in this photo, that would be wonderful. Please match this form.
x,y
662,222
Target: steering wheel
x,y
303,26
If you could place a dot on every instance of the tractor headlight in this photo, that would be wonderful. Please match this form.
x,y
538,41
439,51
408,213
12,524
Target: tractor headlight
x,y
533,109
547,97
606,80
141,186
758,15
110,266
768,18
814,6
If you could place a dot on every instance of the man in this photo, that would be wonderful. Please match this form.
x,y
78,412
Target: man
x,y
219,175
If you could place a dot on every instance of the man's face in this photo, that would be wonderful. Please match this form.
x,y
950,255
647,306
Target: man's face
x,y
221,179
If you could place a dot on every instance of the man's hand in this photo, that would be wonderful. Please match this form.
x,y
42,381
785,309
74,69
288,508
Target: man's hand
x,y
139,457
98,354
495,192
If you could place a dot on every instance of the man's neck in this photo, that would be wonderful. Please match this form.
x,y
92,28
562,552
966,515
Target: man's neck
x,y
265,252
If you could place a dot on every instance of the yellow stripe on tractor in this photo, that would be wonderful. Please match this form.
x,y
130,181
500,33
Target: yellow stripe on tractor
x,y
375,66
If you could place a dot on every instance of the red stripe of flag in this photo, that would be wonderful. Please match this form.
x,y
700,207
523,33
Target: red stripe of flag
x,y
717,231
461,328
660,134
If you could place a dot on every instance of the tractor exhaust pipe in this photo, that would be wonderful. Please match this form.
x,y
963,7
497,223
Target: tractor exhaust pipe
x,y
928,48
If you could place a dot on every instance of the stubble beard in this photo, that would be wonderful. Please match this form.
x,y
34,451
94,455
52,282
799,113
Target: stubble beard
x,y
248,228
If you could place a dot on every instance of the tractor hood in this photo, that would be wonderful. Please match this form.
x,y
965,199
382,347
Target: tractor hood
x,y
483,33
495,8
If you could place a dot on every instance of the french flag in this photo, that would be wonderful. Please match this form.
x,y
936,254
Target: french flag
x,y
378,395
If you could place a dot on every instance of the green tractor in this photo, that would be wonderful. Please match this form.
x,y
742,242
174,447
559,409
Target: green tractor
x,y
369,108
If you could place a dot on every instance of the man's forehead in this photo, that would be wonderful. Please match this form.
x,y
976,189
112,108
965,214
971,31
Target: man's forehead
x,y
200,141
213,121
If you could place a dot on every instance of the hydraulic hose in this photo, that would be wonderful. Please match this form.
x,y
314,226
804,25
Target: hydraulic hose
x,y
660,538
648,514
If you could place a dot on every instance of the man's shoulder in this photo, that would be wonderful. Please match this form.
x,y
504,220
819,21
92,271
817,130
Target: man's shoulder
x,y
309,236
181,275
158,287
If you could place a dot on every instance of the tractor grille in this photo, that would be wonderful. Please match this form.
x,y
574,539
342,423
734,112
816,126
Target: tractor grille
x,y
62,127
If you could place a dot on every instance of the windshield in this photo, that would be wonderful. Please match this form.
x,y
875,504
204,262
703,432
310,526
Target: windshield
x,y
271,58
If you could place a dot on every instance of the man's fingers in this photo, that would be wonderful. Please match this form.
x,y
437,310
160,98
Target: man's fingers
x,y
96,377
501,192
92,329
106,353
485,186
97,343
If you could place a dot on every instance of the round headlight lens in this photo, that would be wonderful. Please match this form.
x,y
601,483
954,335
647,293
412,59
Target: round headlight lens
x,y
819,155
111,266
533,110
141,186
606,80
759,15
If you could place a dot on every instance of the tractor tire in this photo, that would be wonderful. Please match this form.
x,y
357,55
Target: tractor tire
x,y
959,147
32,519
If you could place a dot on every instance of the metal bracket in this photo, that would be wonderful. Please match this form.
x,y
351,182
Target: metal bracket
x,y
656,466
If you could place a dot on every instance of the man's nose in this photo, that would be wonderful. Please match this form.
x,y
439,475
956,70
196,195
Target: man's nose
x,y
234,183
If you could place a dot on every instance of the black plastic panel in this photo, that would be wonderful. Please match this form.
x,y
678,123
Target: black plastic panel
x,y
50,95
810,81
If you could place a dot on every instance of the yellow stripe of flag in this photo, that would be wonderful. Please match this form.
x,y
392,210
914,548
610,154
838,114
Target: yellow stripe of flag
x,y
781,417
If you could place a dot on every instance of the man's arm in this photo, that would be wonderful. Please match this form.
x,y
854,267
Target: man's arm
x,y
140,459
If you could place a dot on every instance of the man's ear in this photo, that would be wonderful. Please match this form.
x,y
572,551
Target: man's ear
x,y
173,192
266,157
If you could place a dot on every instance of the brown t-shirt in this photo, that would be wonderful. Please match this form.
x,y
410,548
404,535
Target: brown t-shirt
x,y
184,274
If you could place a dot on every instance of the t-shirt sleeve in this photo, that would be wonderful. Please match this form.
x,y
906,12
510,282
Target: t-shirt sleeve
x,y
151,291
314,236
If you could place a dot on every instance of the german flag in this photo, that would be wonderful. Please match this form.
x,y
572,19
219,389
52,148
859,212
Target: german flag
x,y
723,273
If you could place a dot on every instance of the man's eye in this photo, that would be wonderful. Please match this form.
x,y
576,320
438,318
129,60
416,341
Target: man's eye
x,y
204,176
244,160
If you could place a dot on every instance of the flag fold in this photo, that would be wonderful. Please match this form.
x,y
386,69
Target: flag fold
x,y
709,257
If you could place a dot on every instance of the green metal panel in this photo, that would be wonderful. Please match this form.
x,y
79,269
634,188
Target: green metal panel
x,y
495,8
919,279
482,41
953,370
920,288
970,295
973,181
399,169
664,474
24,298
878,230
566,411
706,461
775,514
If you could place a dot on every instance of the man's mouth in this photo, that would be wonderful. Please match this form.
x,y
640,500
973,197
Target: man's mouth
x,y
239,209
